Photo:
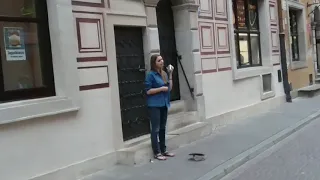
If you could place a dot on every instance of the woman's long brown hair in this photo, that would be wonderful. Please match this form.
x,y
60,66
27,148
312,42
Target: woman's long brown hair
x,y
153,60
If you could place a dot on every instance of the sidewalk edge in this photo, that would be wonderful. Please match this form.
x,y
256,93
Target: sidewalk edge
x,y
232,164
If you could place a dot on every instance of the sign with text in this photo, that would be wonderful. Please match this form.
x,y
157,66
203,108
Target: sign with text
x,y
14,43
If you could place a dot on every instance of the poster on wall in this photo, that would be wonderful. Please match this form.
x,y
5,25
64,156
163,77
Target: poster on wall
x,y
14,43
241,14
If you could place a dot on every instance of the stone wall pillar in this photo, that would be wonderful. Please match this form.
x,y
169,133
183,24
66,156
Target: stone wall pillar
x,y
187,40
151,35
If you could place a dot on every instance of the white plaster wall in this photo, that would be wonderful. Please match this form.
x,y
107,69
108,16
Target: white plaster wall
x,y
222,94
39,146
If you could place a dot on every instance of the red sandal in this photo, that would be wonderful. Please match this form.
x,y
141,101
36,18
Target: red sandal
x,y
168,154
160,157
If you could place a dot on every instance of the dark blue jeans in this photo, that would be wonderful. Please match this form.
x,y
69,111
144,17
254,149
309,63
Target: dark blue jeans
x,y
158,117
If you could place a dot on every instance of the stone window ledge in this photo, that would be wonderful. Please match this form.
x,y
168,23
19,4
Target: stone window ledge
x,y
298,65
268,95
36,108
244,73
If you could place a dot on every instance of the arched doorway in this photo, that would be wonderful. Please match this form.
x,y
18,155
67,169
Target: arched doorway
x,y
167,42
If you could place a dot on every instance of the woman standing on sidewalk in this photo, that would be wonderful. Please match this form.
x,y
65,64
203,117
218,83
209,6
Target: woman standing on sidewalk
x,y
158,86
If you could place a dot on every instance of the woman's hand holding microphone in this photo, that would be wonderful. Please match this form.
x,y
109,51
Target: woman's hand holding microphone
x,y
170,69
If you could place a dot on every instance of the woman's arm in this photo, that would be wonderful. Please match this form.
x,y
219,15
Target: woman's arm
x,y
170,81
156,90
148,86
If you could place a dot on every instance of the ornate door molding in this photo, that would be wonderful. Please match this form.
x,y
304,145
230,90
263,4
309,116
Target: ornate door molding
x,y
153,3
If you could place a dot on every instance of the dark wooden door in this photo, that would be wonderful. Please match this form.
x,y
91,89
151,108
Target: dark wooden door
x,y
131,76
167,41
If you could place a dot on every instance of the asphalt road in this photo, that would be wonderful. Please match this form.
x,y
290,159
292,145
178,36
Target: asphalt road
x,y
295,158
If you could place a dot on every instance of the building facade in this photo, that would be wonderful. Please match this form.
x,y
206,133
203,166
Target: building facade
x,y
300,52
72,99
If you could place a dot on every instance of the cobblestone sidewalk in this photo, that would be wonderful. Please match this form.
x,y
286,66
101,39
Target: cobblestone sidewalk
x,y
223,145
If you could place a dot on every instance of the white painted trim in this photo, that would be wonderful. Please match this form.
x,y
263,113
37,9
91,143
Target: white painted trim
x,y
63,43
127,20
303,51
295,4
270,94
298,64
121,13
266,51
251,72
267,95
30,109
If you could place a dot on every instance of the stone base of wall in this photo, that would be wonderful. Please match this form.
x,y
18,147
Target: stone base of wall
x,y
241,113
80,169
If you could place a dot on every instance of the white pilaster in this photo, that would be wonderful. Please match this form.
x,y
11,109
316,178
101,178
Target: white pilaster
x,y
187,39
151,35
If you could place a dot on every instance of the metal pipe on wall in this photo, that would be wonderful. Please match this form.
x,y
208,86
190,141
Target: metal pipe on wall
x,y
286,86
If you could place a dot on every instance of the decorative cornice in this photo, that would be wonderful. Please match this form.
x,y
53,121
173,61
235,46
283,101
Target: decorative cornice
x,y
182,2
189,7
151,3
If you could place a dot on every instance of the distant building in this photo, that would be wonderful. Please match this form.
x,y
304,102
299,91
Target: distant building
x,y
299,42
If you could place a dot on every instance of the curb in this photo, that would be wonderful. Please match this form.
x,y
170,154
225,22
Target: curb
x,y
232,164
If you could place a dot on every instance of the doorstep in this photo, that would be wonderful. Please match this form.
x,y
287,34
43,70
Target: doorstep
x,y
141,152
309,91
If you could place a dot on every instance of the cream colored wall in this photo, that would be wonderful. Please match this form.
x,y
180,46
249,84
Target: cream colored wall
x,y
300,77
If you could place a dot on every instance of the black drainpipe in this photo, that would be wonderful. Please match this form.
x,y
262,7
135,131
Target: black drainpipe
x,y
284,69
286,86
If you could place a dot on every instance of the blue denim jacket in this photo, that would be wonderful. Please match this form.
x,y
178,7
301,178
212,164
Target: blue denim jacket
x,y
162,99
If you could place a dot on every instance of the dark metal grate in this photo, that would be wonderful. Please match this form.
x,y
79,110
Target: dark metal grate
x,y
131,75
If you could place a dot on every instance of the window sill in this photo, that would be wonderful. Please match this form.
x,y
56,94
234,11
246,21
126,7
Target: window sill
x,y
244,73
298,65
267,95
36,108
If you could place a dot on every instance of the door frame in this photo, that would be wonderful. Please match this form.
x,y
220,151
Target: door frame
x,y
151,45
112,20
160,9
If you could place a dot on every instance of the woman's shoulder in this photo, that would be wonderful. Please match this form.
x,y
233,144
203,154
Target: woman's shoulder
x,y
149,75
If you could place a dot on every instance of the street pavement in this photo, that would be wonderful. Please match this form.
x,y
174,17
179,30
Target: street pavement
x,y
296,158
224,145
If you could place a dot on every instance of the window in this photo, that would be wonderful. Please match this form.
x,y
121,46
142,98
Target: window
x,y
294,35
25,53
266,83
246,32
